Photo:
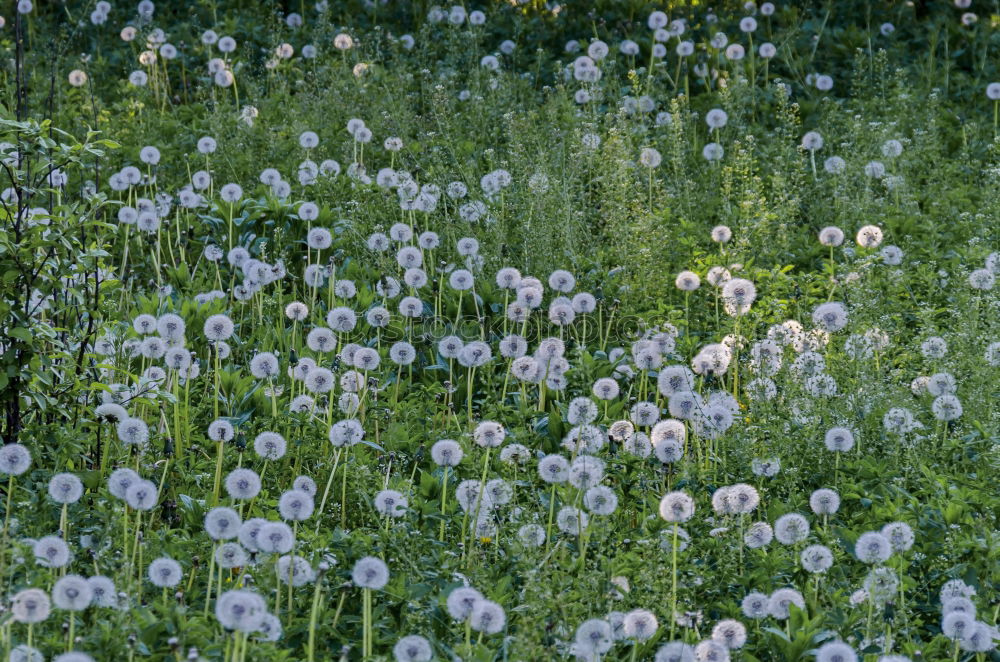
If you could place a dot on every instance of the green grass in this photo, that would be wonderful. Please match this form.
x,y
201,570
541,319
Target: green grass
x,y
574,196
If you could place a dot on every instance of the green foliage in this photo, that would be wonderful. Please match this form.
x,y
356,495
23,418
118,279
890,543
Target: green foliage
x,y
581,196
50,261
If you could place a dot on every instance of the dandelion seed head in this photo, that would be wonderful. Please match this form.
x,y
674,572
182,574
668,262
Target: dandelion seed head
x,y
218,327
294,570
31,605
791,528
900,536
836,651
487,617
274,537
270,445
103,591
222,523
872,547
594,637
15,459
65,488
676,507
461,601
295,505
390,503
240,610
780,602
824,502
839,439
413,648
957,625
142,495
489,434
242,484
305,484
370,572
675,651
165,572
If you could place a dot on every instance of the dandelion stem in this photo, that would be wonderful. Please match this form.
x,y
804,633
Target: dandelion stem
x,y
6,517
552,512
444,502
343,491
479,500
313,615
470,382
673,584
208,589
277,585
326,492
218,472
367,617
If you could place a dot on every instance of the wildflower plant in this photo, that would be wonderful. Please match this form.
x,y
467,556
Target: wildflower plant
x,y
498,331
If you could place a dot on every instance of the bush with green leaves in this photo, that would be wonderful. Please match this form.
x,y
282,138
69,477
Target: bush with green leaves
x,y
51,245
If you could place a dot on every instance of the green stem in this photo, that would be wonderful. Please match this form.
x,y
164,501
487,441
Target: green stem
x,y
552,512
326,492
444,501
673,584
